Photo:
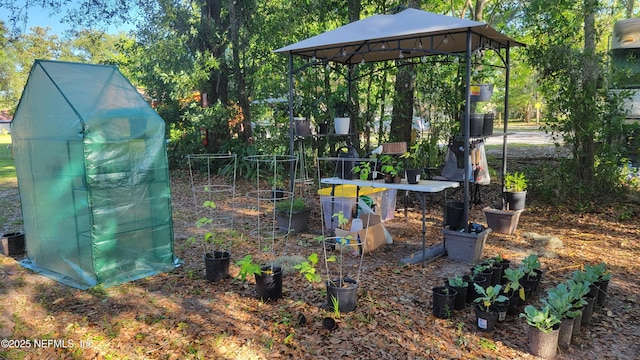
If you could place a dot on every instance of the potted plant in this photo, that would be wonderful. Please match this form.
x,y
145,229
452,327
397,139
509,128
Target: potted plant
x,y
559,301
532,272
515,185
461,286
342,288
486,313
599,276
268,277
292,215
578,292
216,258
414,163
543,331
363,169
444,298
390,167
514,290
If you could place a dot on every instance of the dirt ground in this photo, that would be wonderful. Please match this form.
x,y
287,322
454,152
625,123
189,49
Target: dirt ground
x,y
181,315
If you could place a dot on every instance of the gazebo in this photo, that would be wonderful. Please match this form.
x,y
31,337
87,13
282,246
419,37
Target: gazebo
x,y
408,34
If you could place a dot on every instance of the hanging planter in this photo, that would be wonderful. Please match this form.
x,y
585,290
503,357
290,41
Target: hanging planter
x,y
341,125
481,92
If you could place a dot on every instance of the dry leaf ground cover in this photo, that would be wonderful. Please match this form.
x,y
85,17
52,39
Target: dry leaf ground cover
x,y
181,315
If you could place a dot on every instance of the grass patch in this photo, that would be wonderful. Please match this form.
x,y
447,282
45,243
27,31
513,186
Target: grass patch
x,y
7,165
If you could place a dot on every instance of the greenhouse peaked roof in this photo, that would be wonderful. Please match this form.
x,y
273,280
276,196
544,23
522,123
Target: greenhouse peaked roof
x,y
410,33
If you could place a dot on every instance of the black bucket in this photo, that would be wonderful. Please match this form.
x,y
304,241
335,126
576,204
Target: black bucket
x,y
487,128
13,243
455,214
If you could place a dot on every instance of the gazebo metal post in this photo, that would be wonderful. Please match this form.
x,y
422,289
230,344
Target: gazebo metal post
x,y
292,171
506,122
467,129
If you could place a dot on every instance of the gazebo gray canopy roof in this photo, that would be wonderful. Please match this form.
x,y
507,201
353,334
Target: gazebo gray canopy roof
x,y
411,32
407,34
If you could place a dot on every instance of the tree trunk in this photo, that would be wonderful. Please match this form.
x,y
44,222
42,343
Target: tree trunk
x,y
402,115
590,74
243,99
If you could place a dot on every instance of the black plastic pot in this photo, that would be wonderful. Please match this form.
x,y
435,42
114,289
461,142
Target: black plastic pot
x,y
344,292
412,175
471,290
461,296
269,283
502,309
486,319
13,243
455,218
603,287
217,265
444,298
516,200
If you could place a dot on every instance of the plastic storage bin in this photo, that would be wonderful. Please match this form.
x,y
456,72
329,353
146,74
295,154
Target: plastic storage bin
x,y
383,202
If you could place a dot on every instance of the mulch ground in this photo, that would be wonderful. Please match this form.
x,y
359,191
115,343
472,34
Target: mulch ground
x,y
181,315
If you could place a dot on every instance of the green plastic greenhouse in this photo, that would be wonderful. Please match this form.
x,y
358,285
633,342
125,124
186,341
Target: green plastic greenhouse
x,y
93,176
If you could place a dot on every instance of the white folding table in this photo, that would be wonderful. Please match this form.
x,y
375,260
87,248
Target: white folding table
x,y
422,188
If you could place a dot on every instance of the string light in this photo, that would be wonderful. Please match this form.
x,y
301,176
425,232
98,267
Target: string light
x,y
424,59
445,40
401,55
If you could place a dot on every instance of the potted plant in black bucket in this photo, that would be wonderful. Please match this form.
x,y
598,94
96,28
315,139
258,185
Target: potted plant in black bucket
x,y
268,278
515,185
216,258
342,287
460,286
292,215
444,298
487,314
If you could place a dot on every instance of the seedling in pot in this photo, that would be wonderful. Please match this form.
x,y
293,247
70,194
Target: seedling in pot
x,y
541,319
489,296
513,281
457,281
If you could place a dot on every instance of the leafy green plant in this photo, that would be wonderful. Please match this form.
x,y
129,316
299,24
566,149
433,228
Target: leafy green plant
x,y
343,243
479,268
457,281
513,281
542,319
247,267
488,296
363,168
335,303
294,206
597,272
578,289
308,268
531,263
559,301
389,165
515,182
209,238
